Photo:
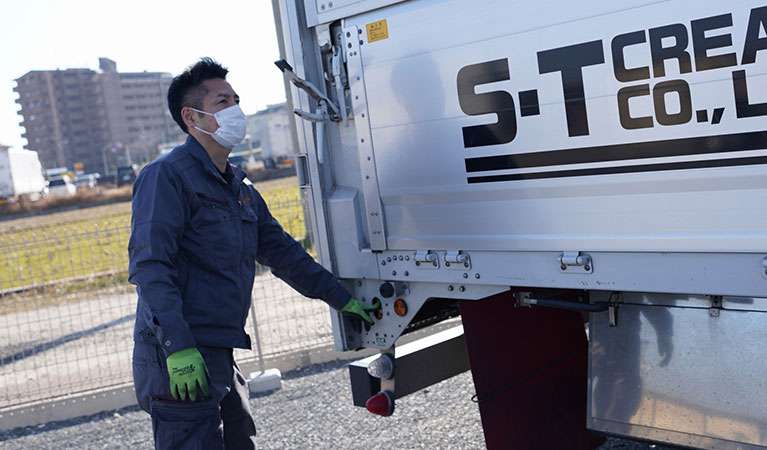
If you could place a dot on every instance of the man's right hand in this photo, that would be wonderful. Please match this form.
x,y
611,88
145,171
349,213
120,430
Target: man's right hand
x,y
187,369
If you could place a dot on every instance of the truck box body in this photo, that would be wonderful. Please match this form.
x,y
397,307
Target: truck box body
x,y
20,173
618,150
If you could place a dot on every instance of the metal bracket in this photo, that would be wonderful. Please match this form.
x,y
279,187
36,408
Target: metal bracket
x,y
426,259
388,384
340,80
521,298
716,306
612,308
575,262
401,288
457,260
612,314
355,75
324,42
417,365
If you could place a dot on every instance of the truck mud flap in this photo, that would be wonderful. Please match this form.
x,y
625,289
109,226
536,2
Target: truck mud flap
x,y
530,374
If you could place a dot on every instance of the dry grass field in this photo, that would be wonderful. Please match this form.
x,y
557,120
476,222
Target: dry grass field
x,y
269,189
78,243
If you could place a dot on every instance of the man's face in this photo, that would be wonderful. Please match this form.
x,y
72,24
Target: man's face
x,y
220,96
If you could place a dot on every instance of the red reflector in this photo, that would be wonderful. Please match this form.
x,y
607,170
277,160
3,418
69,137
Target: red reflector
x,y
382,404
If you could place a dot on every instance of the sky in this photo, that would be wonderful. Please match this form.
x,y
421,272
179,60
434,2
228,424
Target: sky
x,y
139,35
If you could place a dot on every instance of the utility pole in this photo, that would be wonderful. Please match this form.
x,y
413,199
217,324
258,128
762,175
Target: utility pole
x,y
104,157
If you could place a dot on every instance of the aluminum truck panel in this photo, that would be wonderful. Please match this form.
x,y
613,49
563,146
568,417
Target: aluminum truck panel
x,y
323,11
597,152
528,130
694,377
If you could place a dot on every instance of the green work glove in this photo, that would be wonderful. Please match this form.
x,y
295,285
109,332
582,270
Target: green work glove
x,y
186,369
357,310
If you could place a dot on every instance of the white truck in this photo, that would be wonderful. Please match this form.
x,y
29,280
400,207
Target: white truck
x,y
534,167
21,174
273,127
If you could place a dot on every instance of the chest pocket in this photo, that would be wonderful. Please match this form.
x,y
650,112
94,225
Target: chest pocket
x,y
218,233
213,214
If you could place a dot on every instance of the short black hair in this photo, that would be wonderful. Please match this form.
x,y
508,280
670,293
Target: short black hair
x,y
186,89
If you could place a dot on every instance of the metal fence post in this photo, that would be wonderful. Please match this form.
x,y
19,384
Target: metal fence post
x,y
264,380
256,336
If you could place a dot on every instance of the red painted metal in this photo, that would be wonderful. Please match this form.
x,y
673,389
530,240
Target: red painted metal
x,y
530,374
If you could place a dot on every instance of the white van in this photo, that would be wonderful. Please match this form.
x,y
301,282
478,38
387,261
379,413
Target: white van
x,y
61,185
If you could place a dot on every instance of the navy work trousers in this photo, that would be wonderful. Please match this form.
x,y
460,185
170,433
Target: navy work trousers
x,y
221,421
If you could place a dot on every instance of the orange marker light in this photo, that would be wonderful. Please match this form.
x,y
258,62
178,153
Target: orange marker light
x,y
400,307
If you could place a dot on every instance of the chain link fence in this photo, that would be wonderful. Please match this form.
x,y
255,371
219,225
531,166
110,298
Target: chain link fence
x,y
67,309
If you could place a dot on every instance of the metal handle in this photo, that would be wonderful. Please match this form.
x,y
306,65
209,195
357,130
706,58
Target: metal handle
x,y
562,304
303,180
307,86
320,144
319,119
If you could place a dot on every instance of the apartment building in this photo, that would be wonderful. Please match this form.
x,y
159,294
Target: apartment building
x,y
101,119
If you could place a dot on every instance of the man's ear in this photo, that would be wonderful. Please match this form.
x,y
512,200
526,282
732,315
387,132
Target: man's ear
x,y
187,114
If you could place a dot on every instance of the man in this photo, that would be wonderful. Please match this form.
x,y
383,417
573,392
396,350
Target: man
x,y
197,229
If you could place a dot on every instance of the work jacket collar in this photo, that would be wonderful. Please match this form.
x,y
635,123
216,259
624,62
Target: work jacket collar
x,y
198,152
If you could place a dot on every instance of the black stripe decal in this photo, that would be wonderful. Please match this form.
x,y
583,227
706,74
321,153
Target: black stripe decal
x,y
676,147
622,169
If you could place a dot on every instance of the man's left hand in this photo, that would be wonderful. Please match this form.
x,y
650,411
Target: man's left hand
x,y
357,310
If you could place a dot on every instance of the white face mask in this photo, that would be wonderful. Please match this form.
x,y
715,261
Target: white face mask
x,y
232,126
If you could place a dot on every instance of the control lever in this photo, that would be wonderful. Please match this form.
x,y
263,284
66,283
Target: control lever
x,y
326,109
309,88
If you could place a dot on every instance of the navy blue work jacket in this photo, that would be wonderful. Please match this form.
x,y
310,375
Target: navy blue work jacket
x,y
194,243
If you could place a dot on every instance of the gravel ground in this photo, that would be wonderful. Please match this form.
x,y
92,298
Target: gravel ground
x,y
313,410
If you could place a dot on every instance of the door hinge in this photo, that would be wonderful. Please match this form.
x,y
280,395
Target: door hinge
x,y
426,259
457,260
575,262
716,306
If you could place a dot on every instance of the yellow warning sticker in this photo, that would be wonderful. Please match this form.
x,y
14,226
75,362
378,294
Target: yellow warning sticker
x,y
377,31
